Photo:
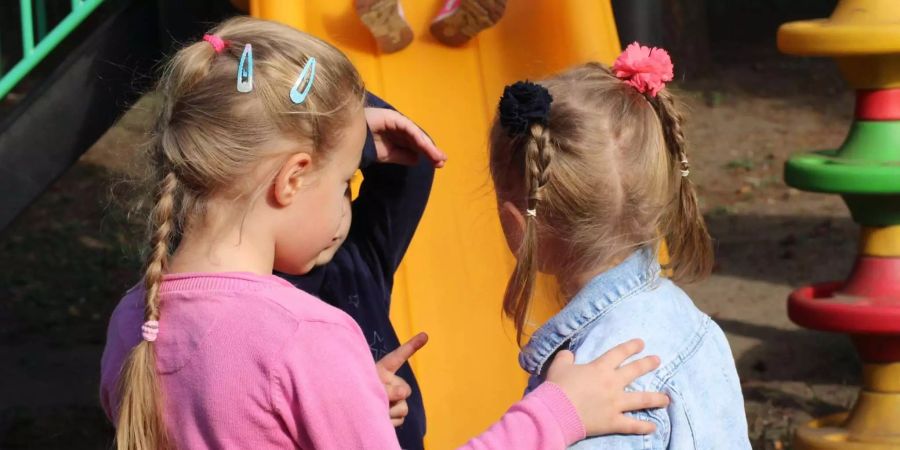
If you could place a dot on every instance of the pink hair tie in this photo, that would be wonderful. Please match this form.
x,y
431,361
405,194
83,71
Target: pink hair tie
x,y
149,330
644,68
217,42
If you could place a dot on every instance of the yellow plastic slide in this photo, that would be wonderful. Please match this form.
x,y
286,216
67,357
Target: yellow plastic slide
x,y
452,280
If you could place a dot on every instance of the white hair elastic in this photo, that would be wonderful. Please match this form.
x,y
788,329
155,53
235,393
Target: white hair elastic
x,y
531,212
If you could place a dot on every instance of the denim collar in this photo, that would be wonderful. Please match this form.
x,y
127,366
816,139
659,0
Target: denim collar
x,y
590,304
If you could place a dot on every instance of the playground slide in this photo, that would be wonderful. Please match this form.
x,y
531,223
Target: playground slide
x,y
452,280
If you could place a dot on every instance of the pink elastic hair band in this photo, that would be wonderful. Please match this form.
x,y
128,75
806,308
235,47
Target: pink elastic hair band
x,y
217,42
150,330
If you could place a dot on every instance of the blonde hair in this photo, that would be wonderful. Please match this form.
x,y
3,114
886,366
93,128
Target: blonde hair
x,y
207,136
604,177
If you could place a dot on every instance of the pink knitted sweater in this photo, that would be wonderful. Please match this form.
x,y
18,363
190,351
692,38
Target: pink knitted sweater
x,y
249,361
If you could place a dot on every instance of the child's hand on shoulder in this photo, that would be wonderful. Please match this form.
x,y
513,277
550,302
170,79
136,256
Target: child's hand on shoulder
x,y
597,389
397,388
399,140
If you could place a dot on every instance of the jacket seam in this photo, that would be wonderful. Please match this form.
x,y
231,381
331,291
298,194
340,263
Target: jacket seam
x,y
664,374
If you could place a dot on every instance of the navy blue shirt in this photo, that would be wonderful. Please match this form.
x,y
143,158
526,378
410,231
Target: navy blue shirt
x,y
360,277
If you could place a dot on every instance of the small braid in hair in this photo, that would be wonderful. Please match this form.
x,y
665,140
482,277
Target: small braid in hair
x,y
685,229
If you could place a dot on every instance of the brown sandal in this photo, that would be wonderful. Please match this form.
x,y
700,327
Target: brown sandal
x,y
384,19
461,20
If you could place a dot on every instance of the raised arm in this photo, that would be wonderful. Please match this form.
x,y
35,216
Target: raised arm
x,y
398,169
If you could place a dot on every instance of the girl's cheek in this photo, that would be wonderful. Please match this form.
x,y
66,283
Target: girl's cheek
x,y
339,208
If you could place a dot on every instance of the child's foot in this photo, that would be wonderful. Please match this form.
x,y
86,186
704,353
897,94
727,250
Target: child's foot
x,y
461,20
384,18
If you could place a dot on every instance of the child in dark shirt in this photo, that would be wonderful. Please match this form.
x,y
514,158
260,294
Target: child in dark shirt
x,y
398,164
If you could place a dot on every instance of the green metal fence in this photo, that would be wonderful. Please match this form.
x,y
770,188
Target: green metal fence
x,y
33,52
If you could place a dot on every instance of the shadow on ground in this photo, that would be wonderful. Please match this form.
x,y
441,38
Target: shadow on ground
x,y
63,265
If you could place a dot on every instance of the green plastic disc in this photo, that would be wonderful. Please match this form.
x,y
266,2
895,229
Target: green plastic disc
x,y
867,163
821,172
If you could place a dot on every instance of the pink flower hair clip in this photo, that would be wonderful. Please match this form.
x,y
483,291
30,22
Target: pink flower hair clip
x,y
647,69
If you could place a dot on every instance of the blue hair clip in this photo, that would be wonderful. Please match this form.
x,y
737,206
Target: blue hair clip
x,y
245,70
309,69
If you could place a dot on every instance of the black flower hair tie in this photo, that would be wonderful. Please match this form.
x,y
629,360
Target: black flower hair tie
x,y
524,103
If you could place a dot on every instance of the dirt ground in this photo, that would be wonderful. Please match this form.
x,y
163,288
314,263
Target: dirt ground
x,y
65,261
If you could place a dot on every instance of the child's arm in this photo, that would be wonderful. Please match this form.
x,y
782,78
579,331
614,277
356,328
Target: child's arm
x,y
329,397
393,194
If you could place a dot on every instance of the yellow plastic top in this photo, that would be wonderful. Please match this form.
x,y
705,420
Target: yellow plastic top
x,y
856,27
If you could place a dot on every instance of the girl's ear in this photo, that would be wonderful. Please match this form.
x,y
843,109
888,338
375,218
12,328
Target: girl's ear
x,y
290,178
513,223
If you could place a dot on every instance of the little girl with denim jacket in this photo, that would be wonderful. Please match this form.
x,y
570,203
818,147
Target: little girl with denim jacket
x,y
591,172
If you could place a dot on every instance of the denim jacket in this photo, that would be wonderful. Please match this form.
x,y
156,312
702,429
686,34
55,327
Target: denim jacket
x,y
697,371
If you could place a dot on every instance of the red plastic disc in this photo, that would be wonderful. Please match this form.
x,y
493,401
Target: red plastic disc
x,y
866,306
821,307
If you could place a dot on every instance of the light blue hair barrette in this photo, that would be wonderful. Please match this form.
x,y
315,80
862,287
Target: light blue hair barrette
x,y
245,70
309,74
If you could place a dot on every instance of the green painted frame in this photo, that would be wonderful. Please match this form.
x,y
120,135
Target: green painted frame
x,y
32,53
